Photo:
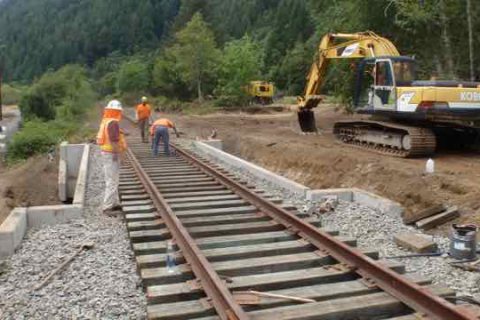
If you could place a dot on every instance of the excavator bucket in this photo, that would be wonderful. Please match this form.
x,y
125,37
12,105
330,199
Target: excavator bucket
x,y
306,119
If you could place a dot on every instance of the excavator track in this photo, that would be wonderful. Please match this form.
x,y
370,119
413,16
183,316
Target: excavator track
x,y
386,138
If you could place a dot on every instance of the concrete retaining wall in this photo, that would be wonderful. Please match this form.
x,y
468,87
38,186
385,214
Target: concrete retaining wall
x,y
359,196
13,229
231,160
70,161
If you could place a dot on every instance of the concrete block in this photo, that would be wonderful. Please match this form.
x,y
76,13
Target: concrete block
x,y
49,215
438,219
62,180
416,242
81,185
372,200
253,169
216,143
72,155
320,194
12,231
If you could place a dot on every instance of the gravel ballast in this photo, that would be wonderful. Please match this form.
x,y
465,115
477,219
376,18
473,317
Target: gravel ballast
x,y
101,283
374,229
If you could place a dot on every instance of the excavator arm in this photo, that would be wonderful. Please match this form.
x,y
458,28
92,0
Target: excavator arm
x,y
337,46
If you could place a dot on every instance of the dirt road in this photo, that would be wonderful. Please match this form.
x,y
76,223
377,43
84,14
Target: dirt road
x,y
273,141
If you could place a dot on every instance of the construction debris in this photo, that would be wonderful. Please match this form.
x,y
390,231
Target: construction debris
x,y
438,219
416,242
83,246
425,213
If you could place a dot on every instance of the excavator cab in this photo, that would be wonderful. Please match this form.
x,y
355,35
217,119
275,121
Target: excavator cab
x,y
377,80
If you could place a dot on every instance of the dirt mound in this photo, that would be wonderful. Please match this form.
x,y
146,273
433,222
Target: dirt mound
x,y
31,183
318,161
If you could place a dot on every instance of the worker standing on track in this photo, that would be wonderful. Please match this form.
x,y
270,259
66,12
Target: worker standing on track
x,y
159,131
143,116
111,140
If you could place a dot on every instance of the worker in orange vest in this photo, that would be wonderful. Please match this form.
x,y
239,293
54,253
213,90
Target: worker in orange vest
x,y
112,143
143,115
159,131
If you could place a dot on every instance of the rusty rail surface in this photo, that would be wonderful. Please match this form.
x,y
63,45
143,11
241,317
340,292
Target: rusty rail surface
x,y
221,298
413,295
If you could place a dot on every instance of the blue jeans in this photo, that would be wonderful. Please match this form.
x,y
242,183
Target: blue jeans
x,y
161,133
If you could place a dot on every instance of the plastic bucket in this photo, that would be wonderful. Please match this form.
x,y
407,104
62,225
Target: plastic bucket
x,y
463,242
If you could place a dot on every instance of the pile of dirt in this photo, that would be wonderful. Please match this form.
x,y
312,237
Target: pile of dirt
x,y
31,183
318,161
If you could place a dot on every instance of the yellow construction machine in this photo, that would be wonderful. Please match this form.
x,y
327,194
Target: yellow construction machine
x,y
408,117
261,91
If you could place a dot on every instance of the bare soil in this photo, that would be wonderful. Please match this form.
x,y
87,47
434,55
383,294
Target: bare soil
x,y
31,183
273,141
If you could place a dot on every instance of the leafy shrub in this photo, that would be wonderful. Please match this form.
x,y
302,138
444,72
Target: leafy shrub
x,y
65,94
11,94
133,76
38,137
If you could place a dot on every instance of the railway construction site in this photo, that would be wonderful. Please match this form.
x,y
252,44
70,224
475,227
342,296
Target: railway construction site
x,y
278,225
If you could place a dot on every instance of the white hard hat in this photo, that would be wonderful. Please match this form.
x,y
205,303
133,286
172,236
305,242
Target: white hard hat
x,y
144,99
114,105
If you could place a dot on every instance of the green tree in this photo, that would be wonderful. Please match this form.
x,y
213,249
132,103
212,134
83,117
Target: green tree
x,y
64,94
197,54
133,77
242,62
166,77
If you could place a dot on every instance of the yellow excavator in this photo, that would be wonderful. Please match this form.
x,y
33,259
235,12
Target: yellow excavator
x,y
408,117
261,92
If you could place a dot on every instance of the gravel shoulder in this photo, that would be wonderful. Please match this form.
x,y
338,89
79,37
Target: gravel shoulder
x,y
99,284
375,229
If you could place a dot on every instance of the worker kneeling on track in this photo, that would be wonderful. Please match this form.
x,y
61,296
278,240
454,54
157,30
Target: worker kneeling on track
x,y
144,116
111,140
159,131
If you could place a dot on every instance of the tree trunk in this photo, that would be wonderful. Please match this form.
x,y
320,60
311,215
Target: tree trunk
x,y
199,90
470,39
446,40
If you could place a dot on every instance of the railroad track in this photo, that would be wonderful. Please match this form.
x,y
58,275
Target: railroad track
x,y
234,244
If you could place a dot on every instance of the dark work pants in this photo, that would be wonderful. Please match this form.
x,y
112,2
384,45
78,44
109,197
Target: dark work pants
x,y
161,133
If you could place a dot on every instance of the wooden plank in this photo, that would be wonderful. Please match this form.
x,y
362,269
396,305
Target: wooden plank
x,y
163,186
149,235
424,213
227,219
197,194
133,203
139,209
229,229
358,307
145,225
141,216
438,219
166,182
248,266
166,191
134,197
208,204
180,311
259,282
214,212
231,253
203,198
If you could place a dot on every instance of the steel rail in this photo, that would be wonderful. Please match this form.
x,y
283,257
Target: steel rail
x,y
416,297
220,296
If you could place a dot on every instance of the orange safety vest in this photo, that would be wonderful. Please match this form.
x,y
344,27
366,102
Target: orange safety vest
x,y
143,111
103,139
161,122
